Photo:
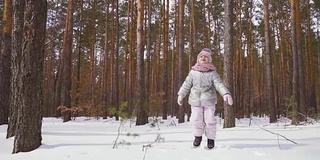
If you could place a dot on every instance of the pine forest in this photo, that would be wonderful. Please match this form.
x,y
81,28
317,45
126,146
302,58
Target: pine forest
x,y
126,58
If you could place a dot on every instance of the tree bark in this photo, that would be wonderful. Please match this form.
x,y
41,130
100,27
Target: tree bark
x,y
311,97
67,54
301,75
116,67
270,88
295,74
142,117
229,119
192,33
17,41
92,51
148,36
30,26
105,64
5,63
180,53
80,29
165,60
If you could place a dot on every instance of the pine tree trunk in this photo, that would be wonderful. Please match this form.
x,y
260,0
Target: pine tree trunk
x,y
17,41
239,62
311,97
116,67
165,60
112,59
301,63
140,107
270,88
180,53
28,72
80,29
92,41
295,76
229,119
48,106
132,58
148,36
5,63
192,35
67,53
105,64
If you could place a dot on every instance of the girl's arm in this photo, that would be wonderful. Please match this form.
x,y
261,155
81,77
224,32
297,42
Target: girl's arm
x,y
218,84
186,86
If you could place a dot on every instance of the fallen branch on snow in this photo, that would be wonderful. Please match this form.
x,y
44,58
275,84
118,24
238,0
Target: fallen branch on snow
x,y
276,133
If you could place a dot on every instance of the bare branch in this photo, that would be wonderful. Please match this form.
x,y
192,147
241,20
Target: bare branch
x,y
276,134
53,39
145,147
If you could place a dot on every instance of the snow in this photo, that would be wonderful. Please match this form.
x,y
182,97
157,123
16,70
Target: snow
x,y
84,139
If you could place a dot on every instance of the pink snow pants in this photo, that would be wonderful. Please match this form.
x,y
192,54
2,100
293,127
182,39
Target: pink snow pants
x,y
203,121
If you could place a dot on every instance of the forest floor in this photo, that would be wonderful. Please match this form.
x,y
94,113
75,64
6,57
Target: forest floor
x,y
90,138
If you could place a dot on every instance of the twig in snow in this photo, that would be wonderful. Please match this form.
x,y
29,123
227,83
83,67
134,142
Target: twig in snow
x,y
276,134
145,147
279,143
115,142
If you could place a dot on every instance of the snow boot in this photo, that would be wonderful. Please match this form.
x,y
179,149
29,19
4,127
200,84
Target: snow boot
x,y
197,141
210,144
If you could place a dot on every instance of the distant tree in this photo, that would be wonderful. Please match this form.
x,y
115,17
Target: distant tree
x,y
229,119
66,58
312,89
192,36
148,38
105,73
131,55
116,52
78,65
180,53
269,75
165,59
27,68
142,117
301,61
295,74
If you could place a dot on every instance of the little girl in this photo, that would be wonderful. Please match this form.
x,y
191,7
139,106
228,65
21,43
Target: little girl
x,y
202,82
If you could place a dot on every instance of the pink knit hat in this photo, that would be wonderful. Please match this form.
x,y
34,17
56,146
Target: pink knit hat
x,y
205,52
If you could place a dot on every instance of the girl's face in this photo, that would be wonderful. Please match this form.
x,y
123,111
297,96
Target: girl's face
x,y
203,59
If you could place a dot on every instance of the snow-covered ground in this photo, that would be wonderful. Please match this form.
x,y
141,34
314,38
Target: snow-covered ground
x,y
92,139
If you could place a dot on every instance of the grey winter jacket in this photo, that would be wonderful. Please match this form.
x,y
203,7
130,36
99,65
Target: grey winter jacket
x,y
203,86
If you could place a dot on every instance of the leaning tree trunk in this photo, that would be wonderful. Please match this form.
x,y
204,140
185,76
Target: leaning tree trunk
x,y
229,120
28,59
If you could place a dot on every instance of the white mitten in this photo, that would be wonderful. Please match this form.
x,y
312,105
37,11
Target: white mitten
x,y
227,98
179,100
